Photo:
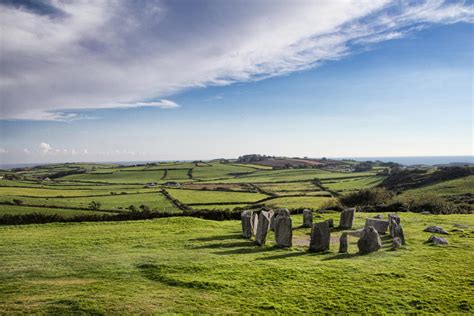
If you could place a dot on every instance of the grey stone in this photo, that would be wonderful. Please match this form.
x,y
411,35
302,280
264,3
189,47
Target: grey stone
x,y
370,241
343,243
379,224
283,231
262,227
254,222
307,218
245,218
347,218
436,230
320,237
398,233
379,216
426,213
396,243
330,222
437,240
461,225
355,233
393,220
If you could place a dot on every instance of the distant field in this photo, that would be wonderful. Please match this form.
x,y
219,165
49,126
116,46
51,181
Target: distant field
x,y
119,177
198,196
41,192
218,207
21,210
452,187
156,201
193,266
352,184
313,202
178,174
219,171
288,187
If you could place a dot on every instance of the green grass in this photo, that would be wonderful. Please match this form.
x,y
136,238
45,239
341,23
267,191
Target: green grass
x,y
313,202
21,210
43,192
179,174
451,187
353,184
218,207
189,265
219,171
119,177
156,201
198,196
288,187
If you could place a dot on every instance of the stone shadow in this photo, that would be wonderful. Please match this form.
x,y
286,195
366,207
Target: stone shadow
x,y
247,250
220,237
226,245
341,256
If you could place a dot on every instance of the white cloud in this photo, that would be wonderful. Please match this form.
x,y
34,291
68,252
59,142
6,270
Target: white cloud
x,y
3,151
45,148
108,54
26,151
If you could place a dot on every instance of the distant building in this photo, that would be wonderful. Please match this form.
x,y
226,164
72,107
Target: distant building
x,y
172,184
46,179
150,185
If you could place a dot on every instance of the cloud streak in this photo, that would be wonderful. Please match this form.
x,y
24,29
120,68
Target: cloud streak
x,y
81,55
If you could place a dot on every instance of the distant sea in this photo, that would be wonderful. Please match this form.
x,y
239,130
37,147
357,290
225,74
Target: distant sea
x,y
409,161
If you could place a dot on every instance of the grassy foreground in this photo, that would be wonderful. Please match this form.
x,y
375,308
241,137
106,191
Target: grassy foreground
x,y
192,265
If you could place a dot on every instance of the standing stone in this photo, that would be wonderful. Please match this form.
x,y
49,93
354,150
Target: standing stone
x,y
307,218
393,220
347,218
379,224
246,218
398,233
254,222
320,237
330,222
396,243
283,231
370,241
343,243
262,227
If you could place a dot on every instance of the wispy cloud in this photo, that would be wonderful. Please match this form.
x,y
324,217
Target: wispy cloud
x,y
60,55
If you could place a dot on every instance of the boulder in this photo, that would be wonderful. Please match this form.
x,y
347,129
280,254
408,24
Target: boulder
x,y
398,233
320,237
426,213
307,218
396,243
245,218
379,224
343,243
437,240
393,220
283,231
262,227
330,222
347,218
370,241
436,230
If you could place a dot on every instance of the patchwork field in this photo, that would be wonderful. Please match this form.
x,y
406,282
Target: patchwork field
x,y
144,267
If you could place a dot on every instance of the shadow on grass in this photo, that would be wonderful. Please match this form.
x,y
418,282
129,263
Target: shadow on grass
x,y
221,237
286,255
342,256
248,250
227,245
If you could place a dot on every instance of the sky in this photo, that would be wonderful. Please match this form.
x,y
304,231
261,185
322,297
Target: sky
x,y
183,80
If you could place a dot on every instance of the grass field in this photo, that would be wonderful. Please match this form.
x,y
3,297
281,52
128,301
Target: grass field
x,y
21,210
352,184
313,202
198,196
452,187
189,265
119,177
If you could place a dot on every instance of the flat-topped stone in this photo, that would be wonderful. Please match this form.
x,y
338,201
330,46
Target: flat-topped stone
x,y
262,227
283,231
320,237
347,218
436,230
379,224
307,218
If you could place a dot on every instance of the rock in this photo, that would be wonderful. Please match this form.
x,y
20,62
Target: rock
x,y
461,225
379,216
307,218
370,241
426,213
254,222
436,230
355,233
263,227
330,222
283,231
398,233
347,218
437,240
320,237
393,220
380,225
396,243
343,243
245,218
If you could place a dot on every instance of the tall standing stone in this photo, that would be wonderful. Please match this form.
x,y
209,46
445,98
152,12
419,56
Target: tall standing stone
x,y
262,227
379,224
254,222
347,218
283,231
320,237
369,241
246,220
307,218
343,243
398,233
393,220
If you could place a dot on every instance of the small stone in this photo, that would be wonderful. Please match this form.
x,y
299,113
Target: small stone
x,y
435,230
245,218
461,225
330,222
379,224
426,213
378,216
396,243
307,218
437,240
320,237
370,241
343,243
263,227
347,218
283,231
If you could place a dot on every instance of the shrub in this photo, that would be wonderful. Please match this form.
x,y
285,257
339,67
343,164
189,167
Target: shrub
x,y
367,197
18,202
428,202
94,205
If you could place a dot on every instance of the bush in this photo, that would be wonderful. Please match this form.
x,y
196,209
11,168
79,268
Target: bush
x,y
367,197
428,202
94,205
18,202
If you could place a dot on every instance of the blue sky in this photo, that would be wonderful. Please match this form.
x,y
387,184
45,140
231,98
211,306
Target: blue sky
x,y
394,80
